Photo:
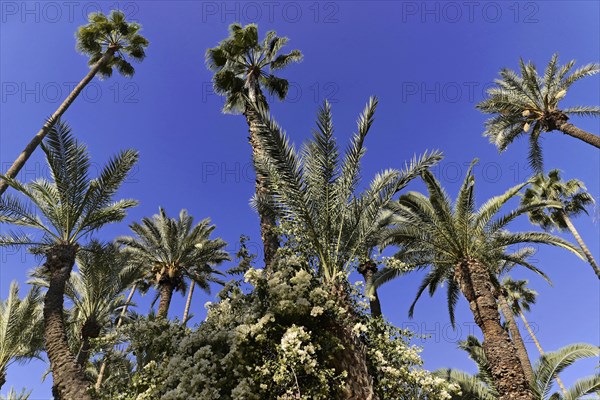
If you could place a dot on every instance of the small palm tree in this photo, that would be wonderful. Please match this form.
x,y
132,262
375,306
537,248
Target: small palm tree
x,y
481,387
109,42
21,329
462,247
322,216
528,104
173,250
71,207
243,68
573,197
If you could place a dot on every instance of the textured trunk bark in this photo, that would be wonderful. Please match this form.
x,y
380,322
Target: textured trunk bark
x,y
188,302
352,358
37,139
507,372
539,347
581,243
84,351
516,338
266,214
119,322
166,294
68,376
367,270
580,134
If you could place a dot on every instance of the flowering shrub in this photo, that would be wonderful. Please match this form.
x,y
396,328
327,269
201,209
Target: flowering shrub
x,y
275,340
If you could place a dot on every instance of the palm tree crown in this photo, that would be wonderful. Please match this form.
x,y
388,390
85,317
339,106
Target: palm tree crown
x,y
528,104
243,64
112,34
315,192
171,250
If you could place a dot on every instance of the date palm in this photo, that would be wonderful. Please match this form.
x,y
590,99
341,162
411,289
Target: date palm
x,y
528,105
21,329
574,198
481,387
244,67
173,250
324,217
64,211
109,42
462,247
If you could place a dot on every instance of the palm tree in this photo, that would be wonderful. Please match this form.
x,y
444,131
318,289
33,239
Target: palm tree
x,y
520,298
171,250
243,68
528,104
481,387
14,395
574,198
71,207
109,42
463,247
21,328
95,291
322,216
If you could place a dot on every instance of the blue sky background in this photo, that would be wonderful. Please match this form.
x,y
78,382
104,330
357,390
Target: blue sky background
x,y
428,62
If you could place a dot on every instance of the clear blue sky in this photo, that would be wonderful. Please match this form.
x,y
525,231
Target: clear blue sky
x,y
429,64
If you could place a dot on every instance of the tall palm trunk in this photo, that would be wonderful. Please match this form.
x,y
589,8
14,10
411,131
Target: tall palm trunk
x,y
68,376
188,302
166,294
581,243
367,270
539,347
352,357
119,322
508,375
37,139
517,339
558,120
266,214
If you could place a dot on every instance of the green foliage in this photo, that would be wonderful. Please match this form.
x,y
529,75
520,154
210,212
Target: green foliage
x,y
528,104
241,62
275,341
431,232
14,395
571,195
112,33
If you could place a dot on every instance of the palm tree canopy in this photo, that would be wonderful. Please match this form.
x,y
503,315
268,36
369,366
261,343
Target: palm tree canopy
x,y
518,295
431,231
528,103
243,60
21,328
112,33
314,190
174,249
70,205
571,194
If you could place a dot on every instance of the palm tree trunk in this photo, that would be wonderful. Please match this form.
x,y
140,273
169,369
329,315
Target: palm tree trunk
x,y
507,372
84,351
581,243
166,294
68,376
367,270
517,339
37,139
572,130
188,302
119,322
352,357
266,214
539,347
